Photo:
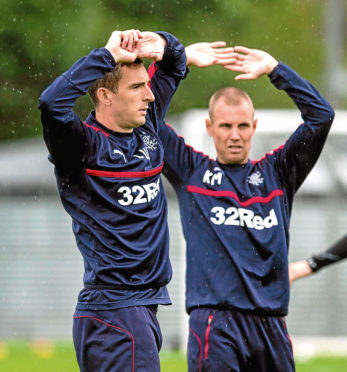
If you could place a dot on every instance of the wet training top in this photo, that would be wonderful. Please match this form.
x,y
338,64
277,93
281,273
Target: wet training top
x,y
235,218
110,184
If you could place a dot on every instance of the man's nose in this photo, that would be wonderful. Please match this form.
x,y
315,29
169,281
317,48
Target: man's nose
x,y
234,134
149,96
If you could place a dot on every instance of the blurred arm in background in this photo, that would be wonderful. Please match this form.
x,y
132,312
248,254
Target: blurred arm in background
x,y
335,253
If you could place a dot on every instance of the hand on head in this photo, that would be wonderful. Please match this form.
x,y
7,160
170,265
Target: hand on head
x,y
252,63
152,46
126,46
131,40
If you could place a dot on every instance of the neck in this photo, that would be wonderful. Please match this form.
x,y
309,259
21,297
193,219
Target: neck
x,y
110,122
243,162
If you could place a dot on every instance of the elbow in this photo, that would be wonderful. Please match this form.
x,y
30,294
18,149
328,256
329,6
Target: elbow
x,y
52,108
331,114
50,103
328,115
46,102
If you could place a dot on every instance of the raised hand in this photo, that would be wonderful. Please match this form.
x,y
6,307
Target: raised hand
x,y
124,45
209,54
252,63
131,40
152,46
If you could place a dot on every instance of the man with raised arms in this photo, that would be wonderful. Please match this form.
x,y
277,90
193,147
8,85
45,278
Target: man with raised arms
x,y
235,215
108,174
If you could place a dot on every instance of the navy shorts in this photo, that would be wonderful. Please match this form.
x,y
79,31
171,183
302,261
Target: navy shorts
x,y
121,340
228,340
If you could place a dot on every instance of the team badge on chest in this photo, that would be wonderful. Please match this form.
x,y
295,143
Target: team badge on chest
x,y
255,179
150,144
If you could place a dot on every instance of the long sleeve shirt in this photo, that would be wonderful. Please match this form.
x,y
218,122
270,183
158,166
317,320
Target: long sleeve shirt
x,y
235,218
110,184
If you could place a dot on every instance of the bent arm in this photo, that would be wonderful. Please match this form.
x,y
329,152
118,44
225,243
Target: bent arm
x,y
65,135
302,149
64,132
334,254
57,101
180,159
166,76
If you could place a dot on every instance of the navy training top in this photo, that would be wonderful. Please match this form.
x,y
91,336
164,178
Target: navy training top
x,y
235,218
110,184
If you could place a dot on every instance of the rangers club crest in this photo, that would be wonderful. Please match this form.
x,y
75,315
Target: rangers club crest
x,y
255,179
149,144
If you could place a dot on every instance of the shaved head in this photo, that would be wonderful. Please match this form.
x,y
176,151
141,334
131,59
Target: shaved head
x,y
230,96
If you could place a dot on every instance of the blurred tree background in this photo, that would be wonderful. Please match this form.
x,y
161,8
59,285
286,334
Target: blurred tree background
x,y
40,39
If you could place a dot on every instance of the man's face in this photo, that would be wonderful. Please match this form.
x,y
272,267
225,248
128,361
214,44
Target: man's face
x,y
130,103
232,129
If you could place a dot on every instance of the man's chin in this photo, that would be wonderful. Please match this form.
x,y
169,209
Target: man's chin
x,y
138,123
235,159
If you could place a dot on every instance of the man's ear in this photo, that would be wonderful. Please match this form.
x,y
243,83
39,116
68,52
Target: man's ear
x,y
255,122
104,96
208,127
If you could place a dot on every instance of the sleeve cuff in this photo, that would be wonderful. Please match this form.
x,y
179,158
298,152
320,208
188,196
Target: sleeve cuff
x,y
313,264
109,57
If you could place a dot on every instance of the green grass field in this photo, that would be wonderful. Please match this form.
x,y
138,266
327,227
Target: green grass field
x,y
45,356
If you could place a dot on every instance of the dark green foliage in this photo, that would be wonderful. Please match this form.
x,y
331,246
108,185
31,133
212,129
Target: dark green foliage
x,y
40,39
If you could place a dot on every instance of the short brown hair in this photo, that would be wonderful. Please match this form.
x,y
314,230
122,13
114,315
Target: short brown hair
x,y
109,81
232,96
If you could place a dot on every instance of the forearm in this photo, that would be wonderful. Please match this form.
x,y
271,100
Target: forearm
x,y
335,253
314,108
304,146
297,270
63,130
174,58
59,98
166,76
179,158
